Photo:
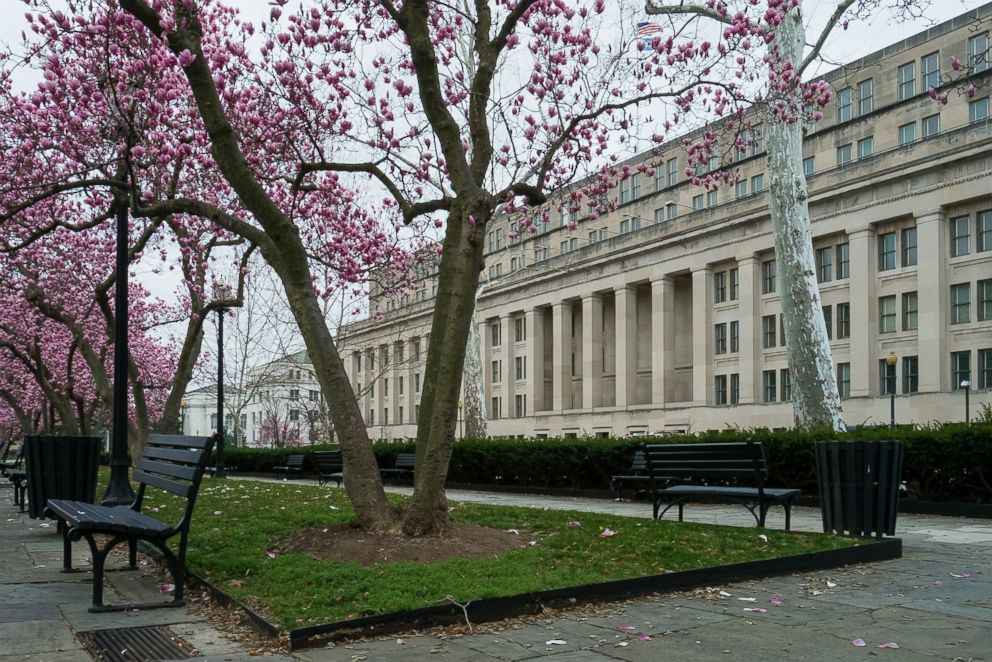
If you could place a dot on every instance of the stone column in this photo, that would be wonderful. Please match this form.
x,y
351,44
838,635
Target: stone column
x,y
749,293
535,352
562,366
592,351
702,335
662,337
933,297
625,319
864,311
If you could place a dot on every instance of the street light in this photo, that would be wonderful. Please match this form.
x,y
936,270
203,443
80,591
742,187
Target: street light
x,y
966,385
222,293
461,422
890,361
119,492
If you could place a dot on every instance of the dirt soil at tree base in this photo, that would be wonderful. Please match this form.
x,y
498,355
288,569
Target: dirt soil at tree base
x,y
345,542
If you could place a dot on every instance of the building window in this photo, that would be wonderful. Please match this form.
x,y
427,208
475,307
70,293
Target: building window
x,y
519,329
886,314
866,96
740,189
659,176
294,415
416,382
734,284
720,287
735,388
909,247
720,338
520,405
961,303
907,80
671,211
910,311
401,385
385,387
768,385
720,390
697,201
843,320
930,71
520,367
294,393
844,380
768,276
624,226
983,231
985,368
809,165
758,183
960,238
978,52
886,377
828,321
866,147
887,251
844,105
494,408
907,133
735,333
978,110
843,261
768,331
659,215
984,300
495,372
910,374
844,154
712,198
785,380
635,186
930,125
960,368
672,168
824,264
624,191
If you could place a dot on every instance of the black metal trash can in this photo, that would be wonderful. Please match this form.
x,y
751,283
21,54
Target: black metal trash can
x,y
859,486
60,468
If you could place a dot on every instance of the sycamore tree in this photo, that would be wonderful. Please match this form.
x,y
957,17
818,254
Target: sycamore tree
x,y
780,53
276,133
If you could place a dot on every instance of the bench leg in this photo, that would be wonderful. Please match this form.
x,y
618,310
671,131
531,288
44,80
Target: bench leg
x,y
99,557
132,553
788,514
680,511
762,513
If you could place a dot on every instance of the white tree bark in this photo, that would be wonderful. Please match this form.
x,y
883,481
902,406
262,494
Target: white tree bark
x,y
815,398
474,411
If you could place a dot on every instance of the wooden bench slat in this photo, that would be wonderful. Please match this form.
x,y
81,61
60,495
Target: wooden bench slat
x,y
175,440
168,469
180,489
180,455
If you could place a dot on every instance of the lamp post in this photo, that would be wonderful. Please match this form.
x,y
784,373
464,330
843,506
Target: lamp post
x,y
221,294
966,385
890,379
119,492
461,421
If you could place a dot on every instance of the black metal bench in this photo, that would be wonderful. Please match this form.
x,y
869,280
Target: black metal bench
x,y
402,467
171,463
638,476
293,466
737,461
329,467
13,470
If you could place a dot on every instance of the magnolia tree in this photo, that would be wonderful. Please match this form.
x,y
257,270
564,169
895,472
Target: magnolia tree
x,y
274,132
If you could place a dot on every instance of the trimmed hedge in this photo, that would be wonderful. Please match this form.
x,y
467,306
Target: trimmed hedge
x,y
950,462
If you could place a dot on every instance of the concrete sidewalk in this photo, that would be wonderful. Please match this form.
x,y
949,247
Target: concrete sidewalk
x,y
935,603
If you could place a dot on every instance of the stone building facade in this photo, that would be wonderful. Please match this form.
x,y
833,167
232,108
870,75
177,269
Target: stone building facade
x,y
664,316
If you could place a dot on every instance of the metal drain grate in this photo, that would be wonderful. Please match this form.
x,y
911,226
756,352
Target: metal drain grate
x,y
136,645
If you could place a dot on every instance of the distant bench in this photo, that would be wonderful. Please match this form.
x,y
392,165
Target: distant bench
x,y
293,466
329,467
402,467
171,463
637,477
701,463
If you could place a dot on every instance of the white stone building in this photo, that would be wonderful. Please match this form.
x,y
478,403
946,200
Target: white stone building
x,y
664,315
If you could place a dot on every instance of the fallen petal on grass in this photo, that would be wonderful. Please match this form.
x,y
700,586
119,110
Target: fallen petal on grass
x,y
891,644
777,601
607,533
859,642
625,628
555,642
963,575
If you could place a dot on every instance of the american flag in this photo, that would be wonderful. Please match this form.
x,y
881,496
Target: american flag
x,y
647,28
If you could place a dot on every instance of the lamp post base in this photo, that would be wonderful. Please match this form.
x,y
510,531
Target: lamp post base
x,y
119,492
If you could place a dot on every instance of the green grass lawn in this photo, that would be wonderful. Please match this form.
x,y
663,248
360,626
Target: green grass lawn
x,y
237,522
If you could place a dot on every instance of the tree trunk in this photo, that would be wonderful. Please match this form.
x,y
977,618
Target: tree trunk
x,y
461,263
473,393
815,399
